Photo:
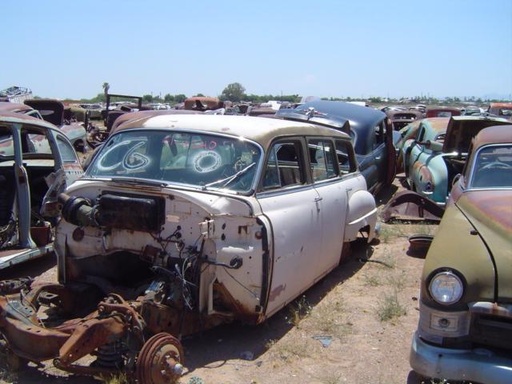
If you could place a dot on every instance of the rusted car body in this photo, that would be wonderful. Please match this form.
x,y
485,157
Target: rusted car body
x,y
114,109
400,118
54,112
501,109
435,151
183,222
10,107
443,112
203,103
372,134
37,161
464,331
94,110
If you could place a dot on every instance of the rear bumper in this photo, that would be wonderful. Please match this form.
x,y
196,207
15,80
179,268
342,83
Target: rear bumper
x,y
475,365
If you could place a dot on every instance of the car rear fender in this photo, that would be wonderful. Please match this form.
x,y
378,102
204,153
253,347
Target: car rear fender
x,y
362,214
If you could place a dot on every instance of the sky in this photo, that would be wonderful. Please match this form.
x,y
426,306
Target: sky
x,y
67,49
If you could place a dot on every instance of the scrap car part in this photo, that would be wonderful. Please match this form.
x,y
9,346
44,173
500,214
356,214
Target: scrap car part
x,y
160,360
411,205
116,333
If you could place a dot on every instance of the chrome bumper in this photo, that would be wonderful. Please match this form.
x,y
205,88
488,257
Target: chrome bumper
x,y
480,365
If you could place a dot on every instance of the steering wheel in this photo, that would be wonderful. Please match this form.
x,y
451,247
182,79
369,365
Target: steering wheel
x,y
497,164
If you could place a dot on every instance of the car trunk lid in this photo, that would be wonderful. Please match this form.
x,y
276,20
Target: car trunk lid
x,y
461,129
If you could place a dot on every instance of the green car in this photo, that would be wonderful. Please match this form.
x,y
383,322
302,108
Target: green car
x,y
465,325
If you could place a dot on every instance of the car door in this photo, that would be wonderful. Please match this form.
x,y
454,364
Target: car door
x,y
384,153
411,150
67,169
370,163
332,201
292,207
366,162
391,138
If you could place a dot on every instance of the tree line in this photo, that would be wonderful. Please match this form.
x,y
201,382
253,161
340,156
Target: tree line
x,y
236,92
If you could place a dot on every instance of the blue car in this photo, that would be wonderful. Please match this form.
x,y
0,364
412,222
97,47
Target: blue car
x,y
372,135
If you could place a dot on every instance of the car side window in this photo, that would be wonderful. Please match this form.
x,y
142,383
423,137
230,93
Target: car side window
x,y
346,157
67,152
380,134
322,159
493,167
421,134
284,166
33,141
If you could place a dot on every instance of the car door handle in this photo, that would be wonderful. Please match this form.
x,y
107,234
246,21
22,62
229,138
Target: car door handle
x,y
317,200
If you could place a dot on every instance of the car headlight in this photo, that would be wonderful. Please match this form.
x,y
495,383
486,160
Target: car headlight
x,y
446,287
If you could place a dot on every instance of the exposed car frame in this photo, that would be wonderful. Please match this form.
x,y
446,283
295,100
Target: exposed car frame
x,y
37,161
54,112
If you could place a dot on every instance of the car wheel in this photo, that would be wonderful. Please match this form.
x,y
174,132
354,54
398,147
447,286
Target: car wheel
x,y
416,378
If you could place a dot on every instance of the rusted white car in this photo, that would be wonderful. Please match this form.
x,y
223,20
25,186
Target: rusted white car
x,y
37,162
184,222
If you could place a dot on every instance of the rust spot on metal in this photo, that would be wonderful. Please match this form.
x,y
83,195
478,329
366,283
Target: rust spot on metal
x,y
276,292
78,234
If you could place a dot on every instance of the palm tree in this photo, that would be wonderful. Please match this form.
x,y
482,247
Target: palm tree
x,y
106,87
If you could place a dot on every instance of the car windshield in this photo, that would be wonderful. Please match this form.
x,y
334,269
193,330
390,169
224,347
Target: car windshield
x,y
196,159
493,167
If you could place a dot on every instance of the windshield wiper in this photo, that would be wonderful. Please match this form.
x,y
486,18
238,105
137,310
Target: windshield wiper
x,y
228,180
131,180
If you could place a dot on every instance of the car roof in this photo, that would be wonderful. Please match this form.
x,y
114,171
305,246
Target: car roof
x,y
501,105
148,113
495,134
20,118
360,118
434,111
7,106
260,129
438,124
404,114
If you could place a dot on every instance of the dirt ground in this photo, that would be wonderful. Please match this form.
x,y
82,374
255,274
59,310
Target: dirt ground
x,y
354,326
